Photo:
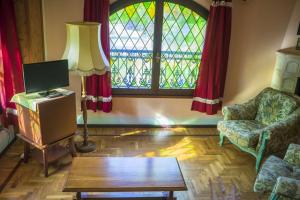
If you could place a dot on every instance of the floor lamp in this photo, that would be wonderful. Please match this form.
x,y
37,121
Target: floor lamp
x,y
85,57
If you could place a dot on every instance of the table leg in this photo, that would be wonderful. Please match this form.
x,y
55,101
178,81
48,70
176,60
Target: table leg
x,y
45,161
72,147
26,151
78,195
171,195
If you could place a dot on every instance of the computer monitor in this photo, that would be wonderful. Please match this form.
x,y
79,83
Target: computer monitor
x,y
45,76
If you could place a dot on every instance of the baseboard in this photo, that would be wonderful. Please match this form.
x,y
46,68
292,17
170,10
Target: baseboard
x,y
151,122
148,126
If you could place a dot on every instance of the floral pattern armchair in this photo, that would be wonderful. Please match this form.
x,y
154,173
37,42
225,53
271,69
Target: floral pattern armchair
x,y
281,177
264,125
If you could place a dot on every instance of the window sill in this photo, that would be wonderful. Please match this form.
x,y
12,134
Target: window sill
x,y
148,93
153,96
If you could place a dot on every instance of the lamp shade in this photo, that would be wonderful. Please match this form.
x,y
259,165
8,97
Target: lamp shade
x,y
84,50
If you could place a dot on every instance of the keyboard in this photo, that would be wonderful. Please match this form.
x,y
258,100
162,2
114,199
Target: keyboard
x,y
55,94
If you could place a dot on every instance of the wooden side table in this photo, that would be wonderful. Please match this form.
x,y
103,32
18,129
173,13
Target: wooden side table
x,y
48,153
44,123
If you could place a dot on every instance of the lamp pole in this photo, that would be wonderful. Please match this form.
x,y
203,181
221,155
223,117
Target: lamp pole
x,y
85,146
84,110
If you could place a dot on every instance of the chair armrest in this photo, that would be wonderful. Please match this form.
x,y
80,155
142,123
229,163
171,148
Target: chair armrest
x,y
245,111
292,155
280,134
287,187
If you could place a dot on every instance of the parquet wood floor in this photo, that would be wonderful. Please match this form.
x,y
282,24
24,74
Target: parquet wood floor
x,y
9,162
200,158
179,131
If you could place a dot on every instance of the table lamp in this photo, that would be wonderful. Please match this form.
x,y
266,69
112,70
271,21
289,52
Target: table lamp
x,y
85,58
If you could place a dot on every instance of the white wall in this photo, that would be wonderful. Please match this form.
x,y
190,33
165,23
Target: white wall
x,y
56,12
290,38
258,30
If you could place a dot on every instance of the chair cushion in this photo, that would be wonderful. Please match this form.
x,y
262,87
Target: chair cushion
x,y
274,106
273,168
286,188
242,132
296,172
292,155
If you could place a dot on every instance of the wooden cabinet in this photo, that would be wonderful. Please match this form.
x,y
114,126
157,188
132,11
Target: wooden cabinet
x,y
52,121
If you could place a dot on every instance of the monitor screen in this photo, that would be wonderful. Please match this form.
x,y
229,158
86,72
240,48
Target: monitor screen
x,y
45,76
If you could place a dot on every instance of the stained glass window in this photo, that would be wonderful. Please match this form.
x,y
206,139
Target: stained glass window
x,y
182,44
131,38
133,30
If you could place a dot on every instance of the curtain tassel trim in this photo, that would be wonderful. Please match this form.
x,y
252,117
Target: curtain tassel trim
x,y
207,101
99,98
11,111
221,4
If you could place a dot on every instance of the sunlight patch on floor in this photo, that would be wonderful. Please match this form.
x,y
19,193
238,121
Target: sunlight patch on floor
x,y
132,133
182,150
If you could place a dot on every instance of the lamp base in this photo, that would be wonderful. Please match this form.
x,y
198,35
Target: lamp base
x,y
85,148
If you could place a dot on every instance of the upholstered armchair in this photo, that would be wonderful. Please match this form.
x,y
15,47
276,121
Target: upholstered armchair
x,y
281,177
264,125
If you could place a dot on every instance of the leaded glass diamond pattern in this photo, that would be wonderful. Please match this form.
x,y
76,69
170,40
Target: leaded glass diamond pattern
x,y
182,44
131,40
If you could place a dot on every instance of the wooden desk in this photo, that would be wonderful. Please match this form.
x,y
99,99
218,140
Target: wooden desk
x,y
53,120
124,174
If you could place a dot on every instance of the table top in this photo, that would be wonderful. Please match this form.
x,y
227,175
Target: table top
x,y
124,174
30,101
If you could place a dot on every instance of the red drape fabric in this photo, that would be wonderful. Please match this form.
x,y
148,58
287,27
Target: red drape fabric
x,y
211,81
11,73
98,88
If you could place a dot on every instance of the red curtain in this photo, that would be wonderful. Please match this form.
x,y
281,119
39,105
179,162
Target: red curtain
x,y
11,76
98,87
211,81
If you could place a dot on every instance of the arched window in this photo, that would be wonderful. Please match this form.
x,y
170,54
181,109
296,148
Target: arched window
x,y
156,46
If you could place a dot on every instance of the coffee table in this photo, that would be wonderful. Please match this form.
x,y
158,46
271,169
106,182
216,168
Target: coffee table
x,y
125,177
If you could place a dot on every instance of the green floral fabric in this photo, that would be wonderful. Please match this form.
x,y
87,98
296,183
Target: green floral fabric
x,y
287,188
274,106
242,132
281,134
277,114
296,172
273,168
282,177
292,155
246,111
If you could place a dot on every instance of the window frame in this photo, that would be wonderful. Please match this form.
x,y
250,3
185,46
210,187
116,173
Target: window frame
x,y
155,91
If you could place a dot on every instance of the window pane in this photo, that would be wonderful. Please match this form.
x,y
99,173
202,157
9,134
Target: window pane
x,y
182,44
131,40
